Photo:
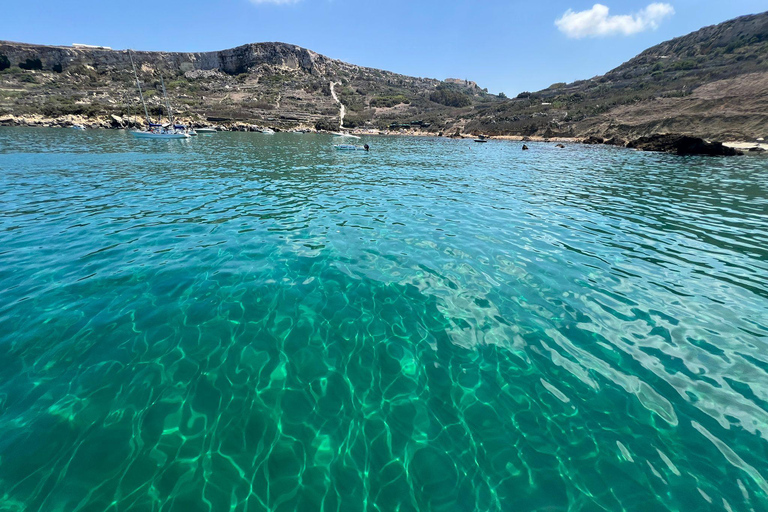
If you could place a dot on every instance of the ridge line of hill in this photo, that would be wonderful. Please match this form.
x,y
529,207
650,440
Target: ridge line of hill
x,y
712,83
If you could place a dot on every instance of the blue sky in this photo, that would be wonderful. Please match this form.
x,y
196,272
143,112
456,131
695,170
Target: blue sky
x,y
504,45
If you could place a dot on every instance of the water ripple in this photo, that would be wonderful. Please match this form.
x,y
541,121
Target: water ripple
x,y
243,322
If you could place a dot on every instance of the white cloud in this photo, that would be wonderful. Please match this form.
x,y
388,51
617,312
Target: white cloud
x,y
597,21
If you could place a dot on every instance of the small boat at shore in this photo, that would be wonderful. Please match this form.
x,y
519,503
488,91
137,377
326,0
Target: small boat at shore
x,y
180,128
78,127
351,147
206,130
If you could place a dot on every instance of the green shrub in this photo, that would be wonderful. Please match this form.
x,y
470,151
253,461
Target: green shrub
x,y
274,79
56,106
389,101
327,125
449,97
178,84
684,65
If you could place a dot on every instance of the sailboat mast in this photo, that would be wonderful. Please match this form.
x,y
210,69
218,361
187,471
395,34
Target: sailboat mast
x,y
167,103
146,113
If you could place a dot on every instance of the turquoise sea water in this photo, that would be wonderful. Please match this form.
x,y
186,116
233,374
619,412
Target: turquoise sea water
x,y
247,323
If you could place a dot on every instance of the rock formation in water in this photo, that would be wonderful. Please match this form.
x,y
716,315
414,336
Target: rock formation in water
x,y
682,145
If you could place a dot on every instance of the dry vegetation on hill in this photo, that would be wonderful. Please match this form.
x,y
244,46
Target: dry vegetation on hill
x,y
712,83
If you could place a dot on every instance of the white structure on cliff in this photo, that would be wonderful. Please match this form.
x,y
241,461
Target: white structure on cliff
x,y
90,46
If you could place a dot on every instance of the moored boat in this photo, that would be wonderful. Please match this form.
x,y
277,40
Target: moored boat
x,y
157,130
180,128
158,135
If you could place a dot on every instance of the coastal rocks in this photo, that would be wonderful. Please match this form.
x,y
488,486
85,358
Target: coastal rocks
x,y
682,145
615,141
198,74
593,140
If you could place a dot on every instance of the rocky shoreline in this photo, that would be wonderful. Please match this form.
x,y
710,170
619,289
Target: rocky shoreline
x,y
121,123
667,143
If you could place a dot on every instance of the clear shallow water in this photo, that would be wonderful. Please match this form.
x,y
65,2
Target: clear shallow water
x,y
248,322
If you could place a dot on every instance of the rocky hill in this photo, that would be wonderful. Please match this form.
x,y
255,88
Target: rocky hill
x,y
273,84
712,83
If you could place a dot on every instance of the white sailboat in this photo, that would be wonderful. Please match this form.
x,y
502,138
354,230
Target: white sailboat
x,y
155,130
139,134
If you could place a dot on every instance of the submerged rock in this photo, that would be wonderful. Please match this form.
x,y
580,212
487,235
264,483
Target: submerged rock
x,y
525,148
561,146
682,145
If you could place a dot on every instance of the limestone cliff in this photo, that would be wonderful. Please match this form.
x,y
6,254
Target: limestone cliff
x,y
276,84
